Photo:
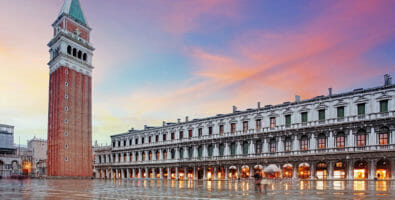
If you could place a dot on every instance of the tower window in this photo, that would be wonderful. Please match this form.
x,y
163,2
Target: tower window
x,y
66,133
66,84
84,57
79,54
74,52
66,146
66,159
69,49
66,121
66,108
66,71
66,96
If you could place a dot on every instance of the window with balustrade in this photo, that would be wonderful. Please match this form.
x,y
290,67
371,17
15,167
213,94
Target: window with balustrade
x,y
288,144
245,148
210,150
113,144
258,147
164,155
181,135
383,136
164,137
156,138
304,143
221,129
181,153
233,148
150,155
200,152
304,117
137,156
130,142
321,115
245,126
287,120
361,138
119,143
233,127
131,157
361,108
273,146
142,141
321,141
221,149
124,143
190,133
143,156
340,112
340,140
258,124
272,122
384,106
173,154
149,139
190,152
172,136
157,155
200,132
210,130
136,141
125,157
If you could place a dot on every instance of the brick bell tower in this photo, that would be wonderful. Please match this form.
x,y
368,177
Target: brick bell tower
x,y
70,95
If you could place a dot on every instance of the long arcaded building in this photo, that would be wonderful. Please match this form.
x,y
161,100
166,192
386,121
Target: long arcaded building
x,y
337,136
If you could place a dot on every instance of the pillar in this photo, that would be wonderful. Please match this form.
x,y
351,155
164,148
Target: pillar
x,y
372,170
146,172
140,176
161,173
133,173
295,171
194,173
350,166
168,173
177,173
330,170
215,173
251,168
122,174
204,173
238,172
226,172
153,173
185,173
312,170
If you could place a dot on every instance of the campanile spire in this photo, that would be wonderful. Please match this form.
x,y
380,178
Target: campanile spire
x,y
70,94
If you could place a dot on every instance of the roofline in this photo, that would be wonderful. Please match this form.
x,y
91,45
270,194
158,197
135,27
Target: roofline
x,y
321,98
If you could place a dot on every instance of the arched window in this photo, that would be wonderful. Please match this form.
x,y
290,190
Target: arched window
x,y
233,148
150,155
164,154
210,150
69,49
221,149
173,154
273,145
157,155
84,57
258,147
288,144
181,153
304,143
200,151
79,54
340,140
143,156
383,135
245,148
190,152
361,138
74,52
321,141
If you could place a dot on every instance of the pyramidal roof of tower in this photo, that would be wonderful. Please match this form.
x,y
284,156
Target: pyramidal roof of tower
x,y
73,9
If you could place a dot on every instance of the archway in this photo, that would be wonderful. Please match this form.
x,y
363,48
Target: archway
x,y
361,169
200,173
287,171
258,169
272,171
322,170
383,169
304,171
245,171
210,173
232,172
339,170
220,173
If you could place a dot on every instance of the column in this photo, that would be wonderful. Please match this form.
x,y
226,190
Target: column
x,y
227,149
392,138
146,172
153,173
393,169
168,173
330,170
312,170
215,173
161,154
313,141
140,176
117,174
280,144
295,171
265,146
108,174
372,138
216,150
194,173
177,157
251,151
177,173
122,174
238,172
205,152
350,139
185,173
331,141
226,172
161,173
372,170
133,173
251,168
238,148
295,145
349,170
186,153
204,173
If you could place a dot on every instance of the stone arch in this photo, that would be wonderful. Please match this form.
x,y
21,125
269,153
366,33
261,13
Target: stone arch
x,y
74,52
361,169
287,170
84,57
304,170
383,169
69,49
321,170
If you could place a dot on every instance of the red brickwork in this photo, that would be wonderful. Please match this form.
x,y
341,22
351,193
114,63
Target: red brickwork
x,y
75,158
71,26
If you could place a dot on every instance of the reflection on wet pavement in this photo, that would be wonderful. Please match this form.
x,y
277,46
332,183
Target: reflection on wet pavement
x,y
158,189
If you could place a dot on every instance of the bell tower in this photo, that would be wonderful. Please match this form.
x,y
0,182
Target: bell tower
x,y
70,95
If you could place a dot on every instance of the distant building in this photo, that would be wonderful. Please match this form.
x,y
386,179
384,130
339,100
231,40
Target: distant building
x,y
38,147
9,162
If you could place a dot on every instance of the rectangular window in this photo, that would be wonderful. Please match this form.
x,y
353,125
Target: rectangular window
x,y
149,139
287,120
142,140
272,122
200,131
233,128
221,129
340,141
288,145
383,138
273,147
321,143
321,115
304,117
258,123
172,136
340,112
164,137
190,134
245,126
361,140
304,145
210,130
384,106
181,134
157,138
361,109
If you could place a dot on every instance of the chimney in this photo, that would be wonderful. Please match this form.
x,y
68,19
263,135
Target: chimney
x,y
178,120
186,119
234,109
164,123
387,80
297,98
259,105
330,91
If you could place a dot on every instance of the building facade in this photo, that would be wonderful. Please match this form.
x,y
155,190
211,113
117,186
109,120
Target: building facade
x,y
9,161
38,147
70,95
337,136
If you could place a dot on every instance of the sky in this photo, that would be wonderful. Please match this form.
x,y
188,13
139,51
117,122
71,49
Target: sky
x,y
159,60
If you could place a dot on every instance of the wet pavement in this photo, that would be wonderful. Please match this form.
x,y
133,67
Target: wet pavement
x,y
156,189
